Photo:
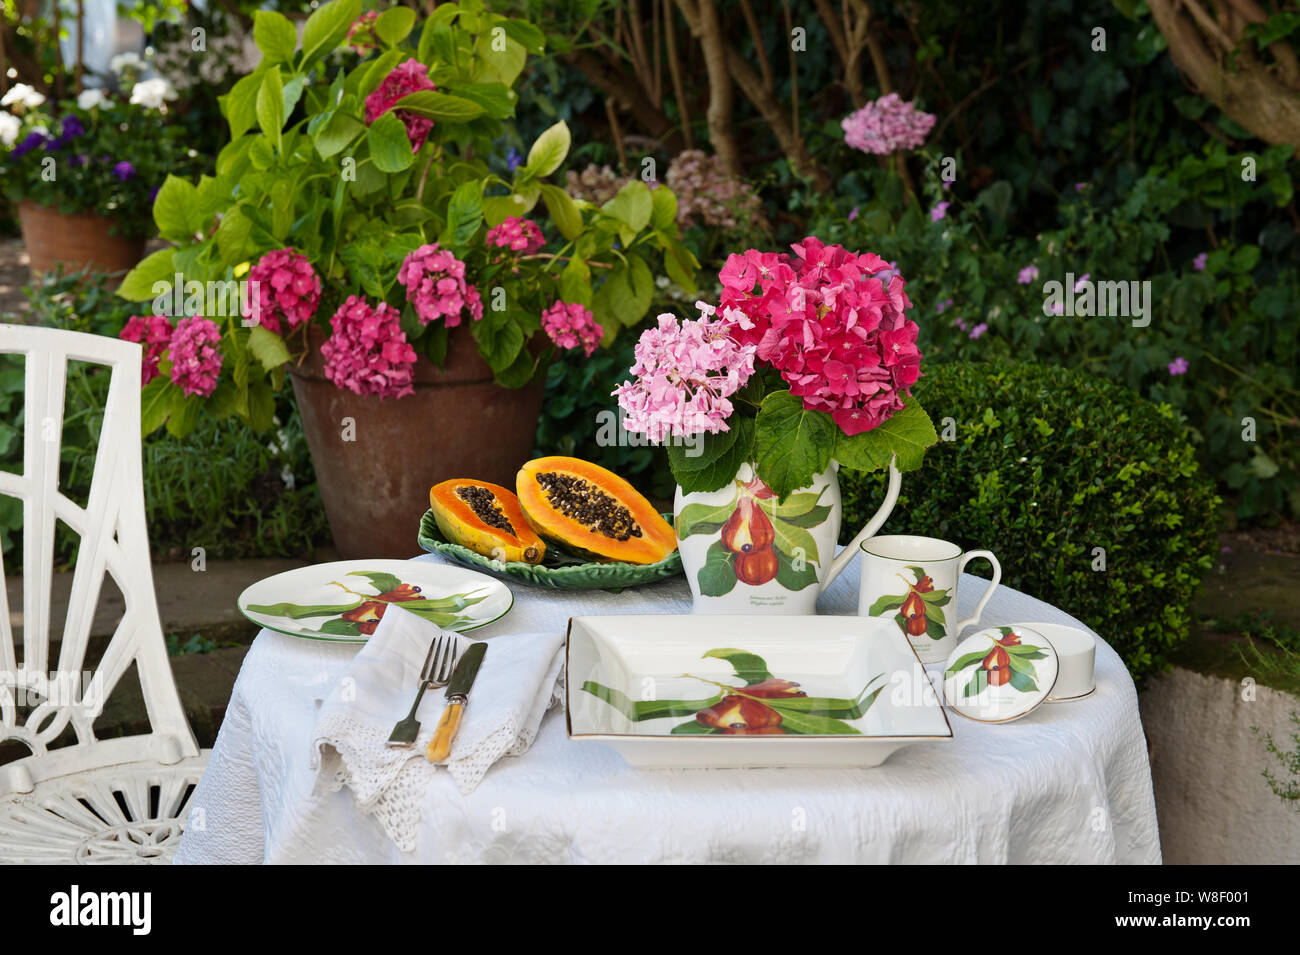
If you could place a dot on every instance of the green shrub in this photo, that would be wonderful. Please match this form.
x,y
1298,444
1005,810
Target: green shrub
x,y
1043,466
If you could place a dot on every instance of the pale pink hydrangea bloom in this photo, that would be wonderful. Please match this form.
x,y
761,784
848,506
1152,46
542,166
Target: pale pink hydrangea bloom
x,y
832,322
571,325
406,78
286,287
686,373
516,235
368,353
196,356
154,332
436,287
886,126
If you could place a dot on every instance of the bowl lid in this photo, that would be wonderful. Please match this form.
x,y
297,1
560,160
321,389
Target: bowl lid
x,y
999,674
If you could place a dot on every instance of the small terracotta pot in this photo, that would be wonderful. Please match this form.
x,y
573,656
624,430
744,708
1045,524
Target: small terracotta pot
x,y
76,241
459,423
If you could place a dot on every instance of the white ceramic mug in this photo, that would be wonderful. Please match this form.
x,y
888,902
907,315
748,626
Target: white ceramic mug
x,y
914,581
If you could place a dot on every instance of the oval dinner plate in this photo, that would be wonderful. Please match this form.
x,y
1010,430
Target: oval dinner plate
x,y
343,601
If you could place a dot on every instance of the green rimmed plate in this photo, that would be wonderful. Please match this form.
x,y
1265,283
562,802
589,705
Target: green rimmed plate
x,y
558,570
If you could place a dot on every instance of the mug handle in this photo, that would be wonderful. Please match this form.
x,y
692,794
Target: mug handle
x,y
966,558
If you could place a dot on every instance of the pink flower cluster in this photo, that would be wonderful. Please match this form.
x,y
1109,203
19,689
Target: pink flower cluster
x,y
361,35
571,325
368,353
516,235
196,356
708,195
285,286
154,332
886,126
833,324
436,287
686,373
406,78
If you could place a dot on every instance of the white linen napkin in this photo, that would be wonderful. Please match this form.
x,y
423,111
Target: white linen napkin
x,y
520,679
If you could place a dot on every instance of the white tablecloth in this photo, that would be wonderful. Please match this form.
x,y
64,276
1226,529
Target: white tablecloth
x,y
1067,784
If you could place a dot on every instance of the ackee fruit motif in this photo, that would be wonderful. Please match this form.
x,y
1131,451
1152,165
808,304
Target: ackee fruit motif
x,y
756,568
588,510
748,529
1009,661
919,610
487,519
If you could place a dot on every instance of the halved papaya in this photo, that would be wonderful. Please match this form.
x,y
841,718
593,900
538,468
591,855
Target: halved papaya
x,y
591,511
487,519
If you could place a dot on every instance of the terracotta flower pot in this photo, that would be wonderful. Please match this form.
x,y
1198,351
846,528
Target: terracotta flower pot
x,y
375,472
76,241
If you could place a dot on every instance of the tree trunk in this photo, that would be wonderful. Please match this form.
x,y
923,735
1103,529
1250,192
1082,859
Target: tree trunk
x,y
702,17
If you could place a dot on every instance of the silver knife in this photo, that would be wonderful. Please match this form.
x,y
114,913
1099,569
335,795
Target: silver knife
x,y
457,696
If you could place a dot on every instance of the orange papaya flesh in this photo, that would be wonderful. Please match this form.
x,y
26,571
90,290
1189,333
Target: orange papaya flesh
x,y
487,519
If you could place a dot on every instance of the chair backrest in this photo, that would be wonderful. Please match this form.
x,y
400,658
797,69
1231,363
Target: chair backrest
x,y
41,698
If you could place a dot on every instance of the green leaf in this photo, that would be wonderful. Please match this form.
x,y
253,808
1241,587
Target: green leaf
x,y
332,130
176,210
575,282
232,237
138,285
718,575
792,578
267,347
497,99
793,541
978,682
326,28
907,434
886,603
497,209
443,107
184,414
274,35
390,149
395,24
155,404
632,205
791,443
749,667
663,214
548,151
564,213
270,105
694,728
702,519
718,470
261,405
1022,681
240,105
341,628
964,661
301,611
381,581
806,724
464,214
531,38
640,710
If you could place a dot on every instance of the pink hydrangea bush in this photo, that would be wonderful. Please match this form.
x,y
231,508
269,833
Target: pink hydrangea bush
x,y
195,355
368,353
708,195
686,374
286,286
436,287
154,332
571,325
888,125
408,77
515,234
833,324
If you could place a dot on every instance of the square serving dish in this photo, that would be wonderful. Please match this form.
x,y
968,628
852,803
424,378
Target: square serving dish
x,y
718,691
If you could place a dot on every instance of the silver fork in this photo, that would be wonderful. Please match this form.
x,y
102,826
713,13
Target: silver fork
x,y
435,673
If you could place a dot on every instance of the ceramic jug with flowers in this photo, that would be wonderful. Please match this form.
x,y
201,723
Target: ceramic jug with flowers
x,y
804,367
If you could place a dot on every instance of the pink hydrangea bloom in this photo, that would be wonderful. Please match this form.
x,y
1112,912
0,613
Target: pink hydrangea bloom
x,y
154,332
571,325
832,322
886,126
516,235
361,35
686,373
436,287
368,353
406,78
196,356
285,286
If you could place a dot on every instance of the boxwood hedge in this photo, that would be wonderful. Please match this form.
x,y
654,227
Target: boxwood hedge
x,y
1089,494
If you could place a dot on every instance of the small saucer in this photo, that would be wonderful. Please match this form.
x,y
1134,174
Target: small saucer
x,y
988,686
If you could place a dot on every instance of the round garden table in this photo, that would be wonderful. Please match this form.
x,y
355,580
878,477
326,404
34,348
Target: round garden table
x,y
1069,783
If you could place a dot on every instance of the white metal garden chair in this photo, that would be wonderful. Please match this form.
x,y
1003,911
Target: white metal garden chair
x,y
75,797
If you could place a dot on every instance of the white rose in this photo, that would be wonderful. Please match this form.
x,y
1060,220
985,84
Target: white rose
x,y
90,99
152,93
126,61
9,126
23,96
